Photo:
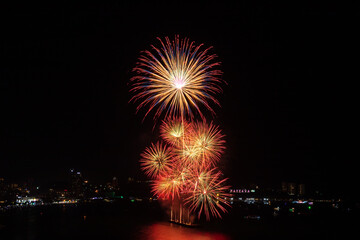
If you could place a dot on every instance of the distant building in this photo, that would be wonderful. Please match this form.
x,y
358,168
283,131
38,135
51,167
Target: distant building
x,y
288,188
291,188
115,183
301,189
76,180
2,190
2,184
284,187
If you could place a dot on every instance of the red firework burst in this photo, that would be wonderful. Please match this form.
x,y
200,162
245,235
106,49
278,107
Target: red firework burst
x,y
209,194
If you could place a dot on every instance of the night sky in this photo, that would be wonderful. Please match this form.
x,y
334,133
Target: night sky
x,y
65,93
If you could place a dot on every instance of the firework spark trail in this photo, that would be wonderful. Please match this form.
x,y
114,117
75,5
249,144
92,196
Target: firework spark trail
x,y
156,160
168,187
177,79
202,146
173,130
209,195
208,140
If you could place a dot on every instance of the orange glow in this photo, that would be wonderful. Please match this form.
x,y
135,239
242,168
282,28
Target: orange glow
x,y
162,231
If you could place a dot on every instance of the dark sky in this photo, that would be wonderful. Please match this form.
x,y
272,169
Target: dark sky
x,y
64,88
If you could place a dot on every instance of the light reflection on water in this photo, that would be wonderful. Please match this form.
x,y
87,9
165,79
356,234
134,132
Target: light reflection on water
x,y
170,231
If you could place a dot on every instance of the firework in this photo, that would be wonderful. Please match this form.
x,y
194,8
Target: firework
x,y
156,159
209,194
176,79
208,142
189,155
196,148
173,130
202,146
168,186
